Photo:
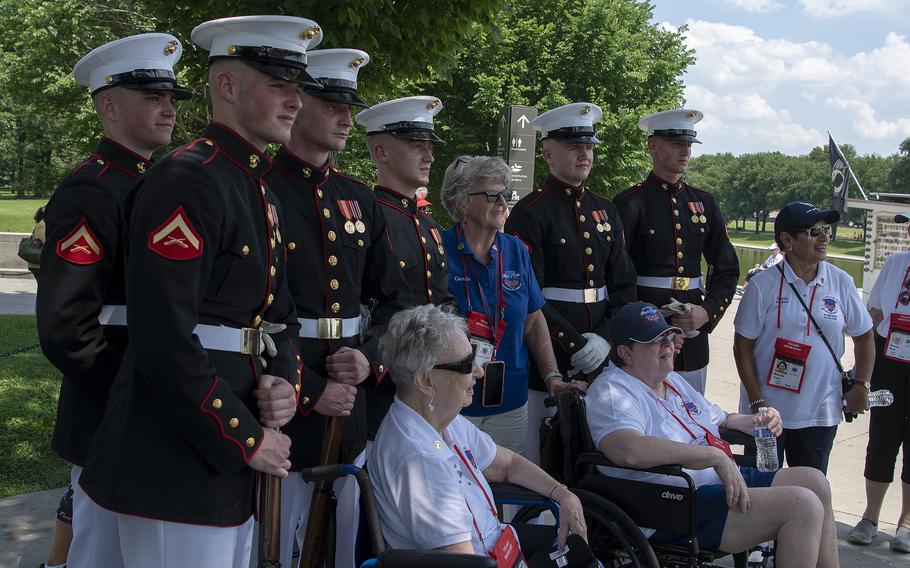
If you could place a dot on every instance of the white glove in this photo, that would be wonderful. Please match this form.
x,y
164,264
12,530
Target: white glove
x,y
589,357
675,307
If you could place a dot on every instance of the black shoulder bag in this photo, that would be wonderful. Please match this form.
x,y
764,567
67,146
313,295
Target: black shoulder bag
x,y
847,378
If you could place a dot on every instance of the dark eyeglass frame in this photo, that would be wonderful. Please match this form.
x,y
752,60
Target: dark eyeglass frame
x,y
463,367
666,337
816,231
492,195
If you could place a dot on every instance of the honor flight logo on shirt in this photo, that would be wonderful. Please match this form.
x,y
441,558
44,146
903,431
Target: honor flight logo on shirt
x,y
511,280
829,306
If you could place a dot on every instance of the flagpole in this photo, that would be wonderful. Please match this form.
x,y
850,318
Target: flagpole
x,y
849,169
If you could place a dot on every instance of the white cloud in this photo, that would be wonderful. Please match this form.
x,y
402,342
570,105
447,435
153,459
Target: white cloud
x,y
835,8
748,117
755,6
865,121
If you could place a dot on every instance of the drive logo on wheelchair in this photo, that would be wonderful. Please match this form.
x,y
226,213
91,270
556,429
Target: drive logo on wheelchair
x,y
671,496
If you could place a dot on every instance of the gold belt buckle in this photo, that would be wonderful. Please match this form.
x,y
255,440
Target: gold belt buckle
x,y
680,282
250,341
328,328
590,295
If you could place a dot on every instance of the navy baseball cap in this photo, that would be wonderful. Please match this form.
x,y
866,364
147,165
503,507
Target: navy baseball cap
x,y
640,322
902,217
799,215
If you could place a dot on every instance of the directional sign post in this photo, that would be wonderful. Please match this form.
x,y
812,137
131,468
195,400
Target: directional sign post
x,y
518,146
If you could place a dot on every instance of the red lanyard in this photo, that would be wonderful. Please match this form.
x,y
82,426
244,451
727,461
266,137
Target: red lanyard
x,y
482,490
903,282
492,317
811,299
686,428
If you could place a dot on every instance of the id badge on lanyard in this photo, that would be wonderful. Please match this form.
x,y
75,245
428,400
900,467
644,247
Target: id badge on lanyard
x,y
481,335
710,438
788,367
507,551
897,346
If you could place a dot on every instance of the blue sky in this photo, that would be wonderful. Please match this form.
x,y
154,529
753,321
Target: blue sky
x,y
776,75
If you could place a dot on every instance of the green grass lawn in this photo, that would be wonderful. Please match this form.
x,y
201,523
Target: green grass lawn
x,y
845,243
17,215
29,386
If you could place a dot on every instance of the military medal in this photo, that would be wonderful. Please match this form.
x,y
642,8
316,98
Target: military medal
x,y
347,208
607,227
602,222
349,227
701,211
693,207
438,239
361,228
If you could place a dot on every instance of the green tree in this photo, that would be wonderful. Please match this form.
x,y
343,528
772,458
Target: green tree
x,y
899,177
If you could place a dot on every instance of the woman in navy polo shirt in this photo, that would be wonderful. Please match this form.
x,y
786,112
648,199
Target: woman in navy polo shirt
x,y
491,276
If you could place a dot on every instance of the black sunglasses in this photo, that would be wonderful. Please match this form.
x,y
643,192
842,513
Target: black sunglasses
x,y
463,367
493,195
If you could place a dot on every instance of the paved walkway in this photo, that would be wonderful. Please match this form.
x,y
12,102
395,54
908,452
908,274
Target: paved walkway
x,y
26,521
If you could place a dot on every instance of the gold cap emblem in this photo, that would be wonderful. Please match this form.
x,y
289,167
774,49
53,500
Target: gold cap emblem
x,y
585,109
171,47
432,104
108,79
357,63
310,33
692,114
141,167
254,160
232,49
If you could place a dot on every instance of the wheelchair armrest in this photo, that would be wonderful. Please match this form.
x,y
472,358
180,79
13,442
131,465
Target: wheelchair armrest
x,y
737,438
433,559
516,494
597,458
328,472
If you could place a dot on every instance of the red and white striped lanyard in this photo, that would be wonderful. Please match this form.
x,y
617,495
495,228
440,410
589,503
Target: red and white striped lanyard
x,y
482,490
780,290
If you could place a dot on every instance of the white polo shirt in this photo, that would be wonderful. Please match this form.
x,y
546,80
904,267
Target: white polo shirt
x,y
430,489
836,306
887,287
618,401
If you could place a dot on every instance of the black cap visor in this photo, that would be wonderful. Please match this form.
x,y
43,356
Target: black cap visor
x,y
408,130
678,135
829,216
573,135
338,96
148,80
180,93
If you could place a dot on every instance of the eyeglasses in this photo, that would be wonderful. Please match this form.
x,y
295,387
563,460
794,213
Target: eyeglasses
x,y
814,232
463,367
493,195
460,162
665,338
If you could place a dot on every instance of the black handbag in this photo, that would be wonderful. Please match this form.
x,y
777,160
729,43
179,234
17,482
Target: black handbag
x,y
29,250
847,378
575,554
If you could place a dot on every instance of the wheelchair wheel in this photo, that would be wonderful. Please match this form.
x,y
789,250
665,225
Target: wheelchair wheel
x,y
614,538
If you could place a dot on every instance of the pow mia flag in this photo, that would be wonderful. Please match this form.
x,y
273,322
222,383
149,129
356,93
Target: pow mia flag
x,y
839,176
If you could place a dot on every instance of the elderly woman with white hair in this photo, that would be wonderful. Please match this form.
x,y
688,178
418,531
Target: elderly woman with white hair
x,y
491,276
430,467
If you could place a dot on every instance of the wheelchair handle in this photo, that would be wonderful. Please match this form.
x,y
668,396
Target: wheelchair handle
x,y
328,472
570,393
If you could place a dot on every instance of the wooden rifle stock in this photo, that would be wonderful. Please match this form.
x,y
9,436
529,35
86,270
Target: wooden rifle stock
x,y
269,521
317,529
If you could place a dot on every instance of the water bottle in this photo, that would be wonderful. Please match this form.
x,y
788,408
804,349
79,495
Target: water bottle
x,y
765,444
881,397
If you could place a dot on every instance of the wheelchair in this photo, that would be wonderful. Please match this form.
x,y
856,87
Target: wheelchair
x,y
615,508
503,493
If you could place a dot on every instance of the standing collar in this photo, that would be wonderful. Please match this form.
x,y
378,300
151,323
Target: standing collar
x,y
656,180
399,200
558,187
420,432
121,156
791,276
238,149
301,169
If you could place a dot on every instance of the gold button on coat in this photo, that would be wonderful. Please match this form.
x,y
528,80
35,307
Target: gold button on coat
x,y
234,422
562,241
245,250
581,218
679,255
272,271
333,284
678,226
331,236
326,213
680,270
257,320
292,245
678,241
401,263
590,268
586,235
588,250
216,403
333,260
250,442
336,307
319,193
560,334
650,231
306,400
271,299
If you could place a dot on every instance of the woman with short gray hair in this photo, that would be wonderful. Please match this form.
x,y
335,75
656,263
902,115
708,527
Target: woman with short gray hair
x,y
491,276
430,467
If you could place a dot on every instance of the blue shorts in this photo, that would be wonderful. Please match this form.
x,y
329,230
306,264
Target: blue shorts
x,y
712,511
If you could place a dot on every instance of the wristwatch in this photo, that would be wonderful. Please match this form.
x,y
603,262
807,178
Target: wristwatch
x,y
867,384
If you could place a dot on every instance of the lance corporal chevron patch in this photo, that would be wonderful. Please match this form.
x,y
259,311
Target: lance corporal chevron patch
x,y
176,238
80,246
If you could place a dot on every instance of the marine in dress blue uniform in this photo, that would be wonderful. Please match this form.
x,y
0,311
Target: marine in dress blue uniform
x,y
81,300
212,323
670,225
575,239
